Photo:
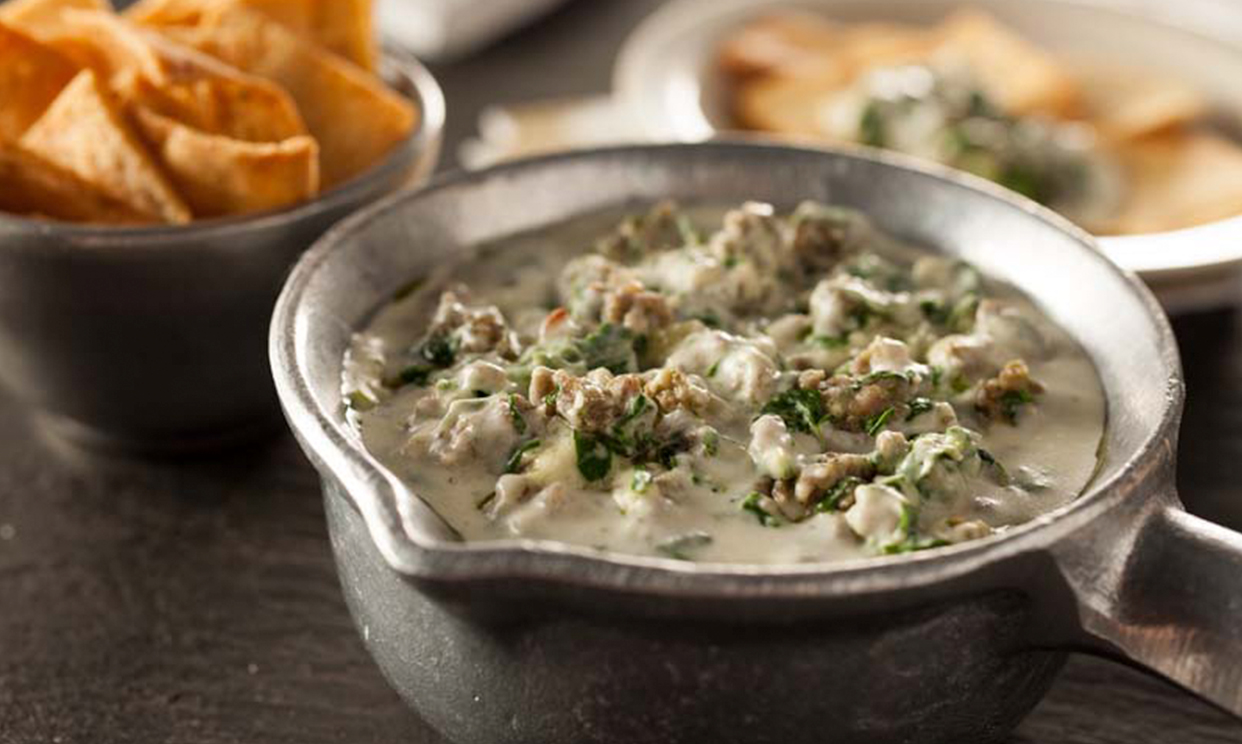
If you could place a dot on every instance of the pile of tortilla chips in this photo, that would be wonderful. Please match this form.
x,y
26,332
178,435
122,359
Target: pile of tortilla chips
x,y
185,109
1177,172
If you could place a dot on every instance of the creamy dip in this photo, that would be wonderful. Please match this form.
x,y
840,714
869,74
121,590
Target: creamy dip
x,y
757,388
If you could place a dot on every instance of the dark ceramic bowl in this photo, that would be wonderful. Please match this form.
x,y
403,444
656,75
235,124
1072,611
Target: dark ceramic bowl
x,y
153,338
541,642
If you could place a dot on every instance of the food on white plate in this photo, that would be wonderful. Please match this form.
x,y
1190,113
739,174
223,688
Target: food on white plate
x,y
1119,150
735,385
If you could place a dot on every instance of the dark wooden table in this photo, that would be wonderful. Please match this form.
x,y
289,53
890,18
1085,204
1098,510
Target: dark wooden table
x,y
195,600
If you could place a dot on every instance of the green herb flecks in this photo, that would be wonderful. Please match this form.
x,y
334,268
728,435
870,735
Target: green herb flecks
x,y
1011,404
594,457
918,407
752,504
436,353
359,401
801,410
641,480
515,415
831,342
910,540
711,443
1000,474
836,496
875,424
934,311
514,463
609,346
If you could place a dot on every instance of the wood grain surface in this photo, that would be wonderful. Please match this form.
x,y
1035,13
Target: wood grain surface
x,y
195,600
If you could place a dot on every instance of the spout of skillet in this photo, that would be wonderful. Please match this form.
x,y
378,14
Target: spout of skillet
x,y
540,642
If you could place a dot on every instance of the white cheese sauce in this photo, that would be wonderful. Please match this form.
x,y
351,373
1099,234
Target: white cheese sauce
x,y
725,386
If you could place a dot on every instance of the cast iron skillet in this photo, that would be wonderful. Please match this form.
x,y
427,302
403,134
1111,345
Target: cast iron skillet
x,y
527,641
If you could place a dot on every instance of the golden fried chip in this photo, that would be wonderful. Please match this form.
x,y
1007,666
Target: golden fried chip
x,y
31,76
867,46
180,83
1021,77
779,42
1124,103
222,176
41,18
84,131
790,104
31,185
341,26
355,118
1177,180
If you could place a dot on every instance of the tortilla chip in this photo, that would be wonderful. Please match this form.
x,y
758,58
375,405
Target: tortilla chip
x,y
791,104
41,18
31,76
1177,180
355,118
30,185
867,46
222,176
84,132
341,26
778,42
180,83
1021,77
1124,103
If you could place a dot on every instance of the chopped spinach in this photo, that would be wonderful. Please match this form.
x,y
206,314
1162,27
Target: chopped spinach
x,y
594,457
514,463
1011,403
875,424
802,410
831,342
751,504
836,496
711,443
918,407
610,346
519,422
910,540
934,311
359,401
437,352
1002,475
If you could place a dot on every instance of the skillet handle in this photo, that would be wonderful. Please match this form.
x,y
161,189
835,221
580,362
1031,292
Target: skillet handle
x,y
1176,608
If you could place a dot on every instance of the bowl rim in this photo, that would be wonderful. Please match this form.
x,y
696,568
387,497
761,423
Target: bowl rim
x,y
417,554
423,90
1178,255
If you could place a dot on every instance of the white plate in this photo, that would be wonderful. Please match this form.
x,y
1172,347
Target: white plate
x,y
667,77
